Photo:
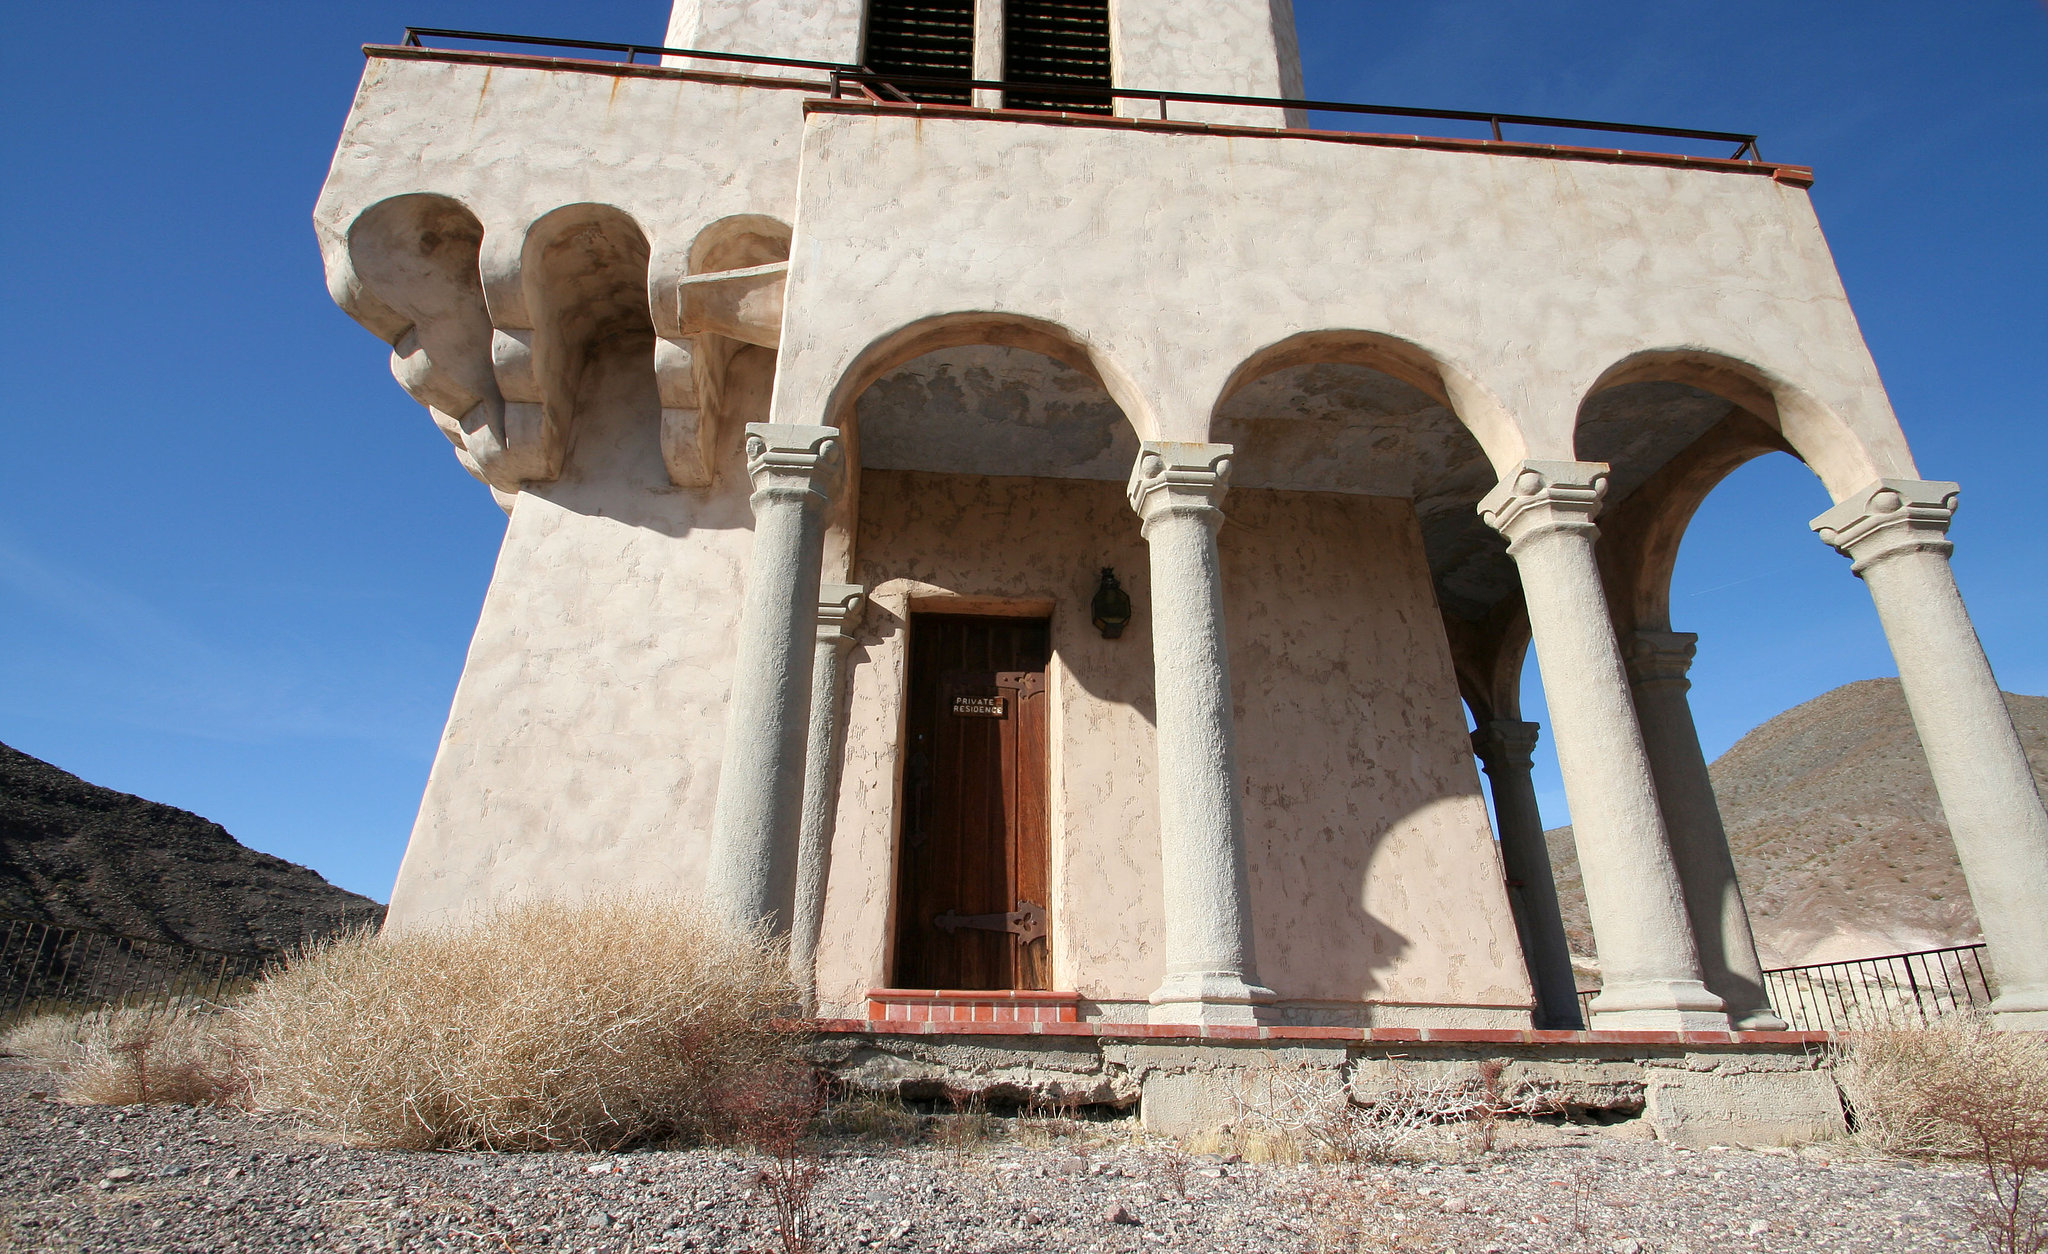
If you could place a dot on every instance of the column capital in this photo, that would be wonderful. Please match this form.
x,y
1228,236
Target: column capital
x,y
839,610
1891,516
1506,742
1175,478
784,458
1654,657
1544,497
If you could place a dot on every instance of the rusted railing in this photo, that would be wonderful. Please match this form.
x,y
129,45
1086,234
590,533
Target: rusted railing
x,y
845,76
44,967
1897,990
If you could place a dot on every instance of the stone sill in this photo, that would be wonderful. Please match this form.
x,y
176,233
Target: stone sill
x,y
1359,1036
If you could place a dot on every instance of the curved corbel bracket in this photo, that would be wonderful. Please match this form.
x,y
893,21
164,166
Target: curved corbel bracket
x,y
689,428
744,305
529,442
406,269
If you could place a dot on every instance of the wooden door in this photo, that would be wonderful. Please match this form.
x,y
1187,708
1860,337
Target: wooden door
x,y
975,866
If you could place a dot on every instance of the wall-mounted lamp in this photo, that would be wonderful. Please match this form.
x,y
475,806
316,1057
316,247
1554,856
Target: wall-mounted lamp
x,y
1112,605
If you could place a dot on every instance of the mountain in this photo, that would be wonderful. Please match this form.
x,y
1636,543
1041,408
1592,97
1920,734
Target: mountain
x,y
1839,840
79,855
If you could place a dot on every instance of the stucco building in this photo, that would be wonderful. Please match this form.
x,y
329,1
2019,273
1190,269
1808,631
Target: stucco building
x,y
824,403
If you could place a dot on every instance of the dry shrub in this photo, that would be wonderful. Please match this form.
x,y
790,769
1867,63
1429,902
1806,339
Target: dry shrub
x,y
1960,1087
871,1117
776,1108
125,1055
596,1025
1253,1145
1331,1119
47,1042
970,1127
131,1056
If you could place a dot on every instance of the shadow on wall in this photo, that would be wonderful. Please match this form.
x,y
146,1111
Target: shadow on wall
x,y
615,467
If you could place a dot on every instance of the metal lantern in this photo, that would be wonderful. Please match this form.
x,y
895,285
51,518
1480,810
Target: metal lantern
x,y
1112,606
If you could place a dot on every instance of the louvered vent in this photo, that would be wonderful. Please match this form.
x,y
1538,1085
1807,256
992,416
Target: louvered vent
x,y
923,39
1057,43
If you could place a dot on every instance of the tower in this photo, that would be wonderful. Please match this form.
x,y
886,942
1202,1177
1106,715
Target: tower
x,y
820,386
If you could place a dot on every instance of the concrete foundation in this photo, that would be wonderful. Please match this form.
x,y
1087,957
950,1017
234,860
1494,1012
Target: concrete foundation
x,y
1693,1088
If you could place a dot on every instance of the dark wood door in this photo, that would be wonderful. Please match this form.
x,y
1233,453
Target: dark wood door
x,y
976,861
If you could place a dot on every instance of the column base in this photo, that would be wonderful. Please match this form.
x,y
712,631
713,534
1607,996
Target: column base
x,y
1762,1020
2022,1010
1658,1006
1216,997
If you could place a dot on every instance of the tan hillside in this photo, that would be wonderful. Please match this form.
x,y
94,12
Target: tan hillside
x,y
1838,837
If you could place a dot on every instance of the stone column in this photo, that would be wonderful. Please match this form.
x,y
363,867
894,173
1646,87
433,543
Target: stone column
x,y
1177,489
751,878
1650,972
839,607
1506,748
1657,666
1896,533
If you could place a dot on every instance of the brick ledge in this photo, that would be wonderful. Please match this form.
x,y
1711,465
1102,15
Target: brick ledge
x,y
1362,1036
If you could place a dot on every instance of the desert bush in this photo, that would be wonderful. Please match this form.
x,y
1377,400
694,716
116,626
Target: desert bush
x,y
124,1055
776,1109
1330,1119
1959,1087
871,1117
130,1056
48,1042
547,1025
969,1127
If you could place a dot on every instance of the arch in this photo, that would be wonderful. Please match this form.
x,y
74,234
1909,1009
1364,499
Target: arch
x,y
410,274
1812,431
582,280
953,330
1640,536
1471,403
739,242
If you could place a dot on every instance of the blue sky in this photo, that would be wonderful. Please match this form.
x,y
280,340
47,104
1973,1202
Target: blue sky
x,y
239,568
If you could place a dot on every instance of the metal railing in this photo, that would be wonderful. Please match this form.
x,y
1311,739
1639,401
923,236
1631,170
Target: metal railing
x,y
1897,990
44,968
897,87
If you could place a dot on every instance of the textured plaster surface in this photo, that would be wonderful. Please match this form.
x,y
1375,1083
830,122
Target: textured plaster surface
x,y
1244,47
582,749
1373,868
1373,874
1172,265
511,143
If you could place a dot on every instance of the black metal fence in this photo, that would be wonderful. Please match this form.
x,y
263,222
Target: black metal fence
x,y
1897,990
862,80
44,967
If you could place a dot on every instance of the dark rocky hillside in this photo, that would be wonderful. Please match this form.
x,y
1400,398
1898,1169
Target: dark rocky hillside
x,y
79,855
1838,837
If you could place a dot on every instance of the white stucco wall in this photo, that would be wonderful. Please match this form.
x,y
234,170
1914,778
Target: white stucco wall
x,y
582,747
1221,47
1373,873
1174,260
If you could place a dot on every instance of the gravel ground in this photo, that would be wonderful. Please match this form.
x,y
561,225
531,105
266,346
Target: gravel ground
x,y
169,1179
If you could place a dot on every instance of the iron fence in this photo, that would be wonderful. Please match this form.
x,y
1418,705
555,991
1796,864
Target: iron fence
x,y
845,76
44,967
1897,990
